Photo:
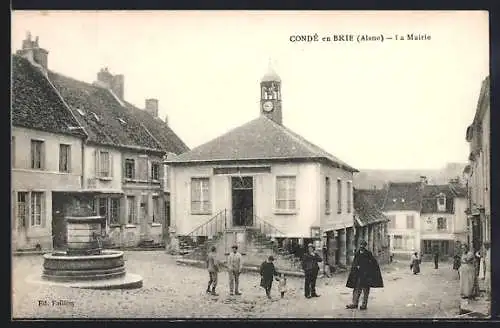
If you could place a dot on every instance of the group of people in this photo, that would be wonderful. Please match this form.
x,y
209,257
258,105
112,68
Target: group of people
x,y
465,264
364,274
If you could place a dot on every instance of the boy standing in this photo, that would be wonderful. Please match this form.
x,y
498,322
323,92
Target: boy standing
x,y
234,266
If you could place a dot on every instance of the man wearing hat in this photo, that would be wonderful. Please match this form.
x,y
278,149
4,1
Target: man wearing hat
x,y
311,269
234,266
365,274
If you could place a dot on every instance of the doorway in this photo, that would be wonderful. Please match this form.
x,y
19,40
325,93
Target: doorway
x,y
59,207
242,201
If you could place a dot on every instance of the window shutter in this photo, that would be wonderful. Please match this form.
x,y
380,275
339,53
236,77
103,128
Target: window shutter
x,y
123,210
43,213
96,157
111,168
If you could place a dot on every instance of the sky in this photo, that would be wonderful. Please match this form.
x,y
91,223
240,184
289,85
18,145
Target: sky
x,y
375,105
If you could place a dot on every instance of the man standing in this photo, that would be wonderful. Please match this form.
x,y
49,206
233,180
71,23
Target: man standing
x,y
213,269
436,258
365,274
234,266
311,269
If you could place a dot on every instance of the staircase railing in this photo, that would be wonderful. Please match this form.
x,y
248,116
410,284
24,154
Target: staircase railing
x,y
213,226
199,236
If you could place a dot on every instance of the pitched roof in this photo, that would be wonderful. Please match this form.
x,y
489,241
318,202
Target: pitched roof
x,y
431,193
108,122
259,139
35,104
403,196
367,206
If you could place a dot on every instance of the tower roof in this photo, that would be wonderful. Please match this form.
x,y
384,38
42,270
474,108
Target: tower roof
x,y
271,74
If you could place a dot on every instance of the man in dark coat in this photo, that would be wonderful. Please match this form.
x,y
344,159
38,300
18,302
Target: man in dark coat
x,y
311,269
365,274
436,258
267,273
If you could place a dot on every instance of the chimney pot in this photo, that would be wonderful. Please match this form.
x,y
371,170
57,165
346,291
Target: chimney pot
x,y
152,106
31,51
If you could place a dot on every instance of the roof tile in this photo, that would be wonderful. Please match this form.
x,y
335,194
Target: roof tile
x,y
259,139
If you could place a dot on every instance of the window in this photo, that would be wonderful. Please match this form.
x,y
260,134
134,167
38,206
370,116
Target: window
x,y
285,193
398,242
327,195
37,154
441,224
129,168
114,211
441,203
349,195
142,168
410,222
64,158
131,206
200,196
392,221
22,209
339,196
156,209
110,209
155,171
36,209
13,151
104,164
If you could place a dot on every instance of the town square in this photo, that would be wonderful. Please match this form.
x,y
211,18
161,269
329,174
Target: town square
x,y
156,174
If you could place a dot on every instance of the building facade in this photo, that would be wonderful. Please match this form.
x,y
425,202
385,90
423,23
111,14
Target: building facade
x,y
265,176
477,172
402,205
444,222
115,159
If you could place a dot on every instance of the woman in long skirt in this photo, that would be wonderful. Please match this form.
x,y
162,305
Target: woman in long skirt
x,y
467,272
415,263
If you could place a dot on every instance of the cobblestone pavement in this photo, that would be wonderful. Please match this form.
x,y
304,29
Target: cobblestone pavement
x,y
178,291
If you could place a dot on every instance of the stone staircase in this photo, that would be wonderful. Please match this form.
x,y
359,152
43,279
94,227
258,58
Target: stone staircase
x,y
257,242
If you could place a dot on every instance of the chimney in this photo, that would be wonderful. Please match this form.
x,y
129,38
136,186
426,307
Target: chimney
x,y
152,106
113,82
166,119
32,51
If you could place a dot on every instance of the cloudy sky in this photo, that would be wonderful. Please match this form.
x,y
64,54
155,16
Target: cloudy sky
x,y
378,105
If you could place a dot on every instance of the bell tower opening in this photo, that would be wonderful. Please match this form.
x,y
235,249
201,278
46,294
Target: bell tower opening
x,y
270,96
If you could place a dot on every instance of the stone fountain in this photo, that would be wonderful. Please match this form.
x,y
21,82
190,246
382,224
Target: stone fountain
x,y
84,263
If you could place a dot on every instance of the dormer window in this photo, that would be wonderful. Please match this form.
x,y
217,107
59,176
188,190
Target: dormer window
x,y
122,121
394,200
441,203
402,200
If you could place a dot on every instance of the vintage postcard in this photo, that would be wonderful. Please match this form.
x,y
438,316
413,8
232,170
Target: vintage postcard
x,y
250,164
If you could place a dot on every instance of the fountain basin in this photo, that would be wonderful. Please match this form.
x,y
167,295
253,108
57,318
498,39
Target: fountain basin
x,y
59,266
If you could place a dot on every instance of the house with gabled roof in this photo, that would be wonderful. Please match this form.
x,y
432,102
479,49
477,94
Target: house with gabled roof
x,y
46,157
444,221
122,175
261,175
402,204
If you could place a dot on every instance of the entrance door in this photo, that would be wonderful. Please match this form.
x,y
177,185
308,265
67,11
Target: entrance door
x,y
59,233
242,201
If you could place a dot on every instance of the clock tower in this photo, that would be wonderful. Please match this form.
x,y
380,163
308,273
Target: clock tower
x,y
270,96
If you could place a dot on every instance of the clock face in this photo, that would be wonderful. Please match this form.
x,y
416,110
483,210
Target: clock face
x,y
268,106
